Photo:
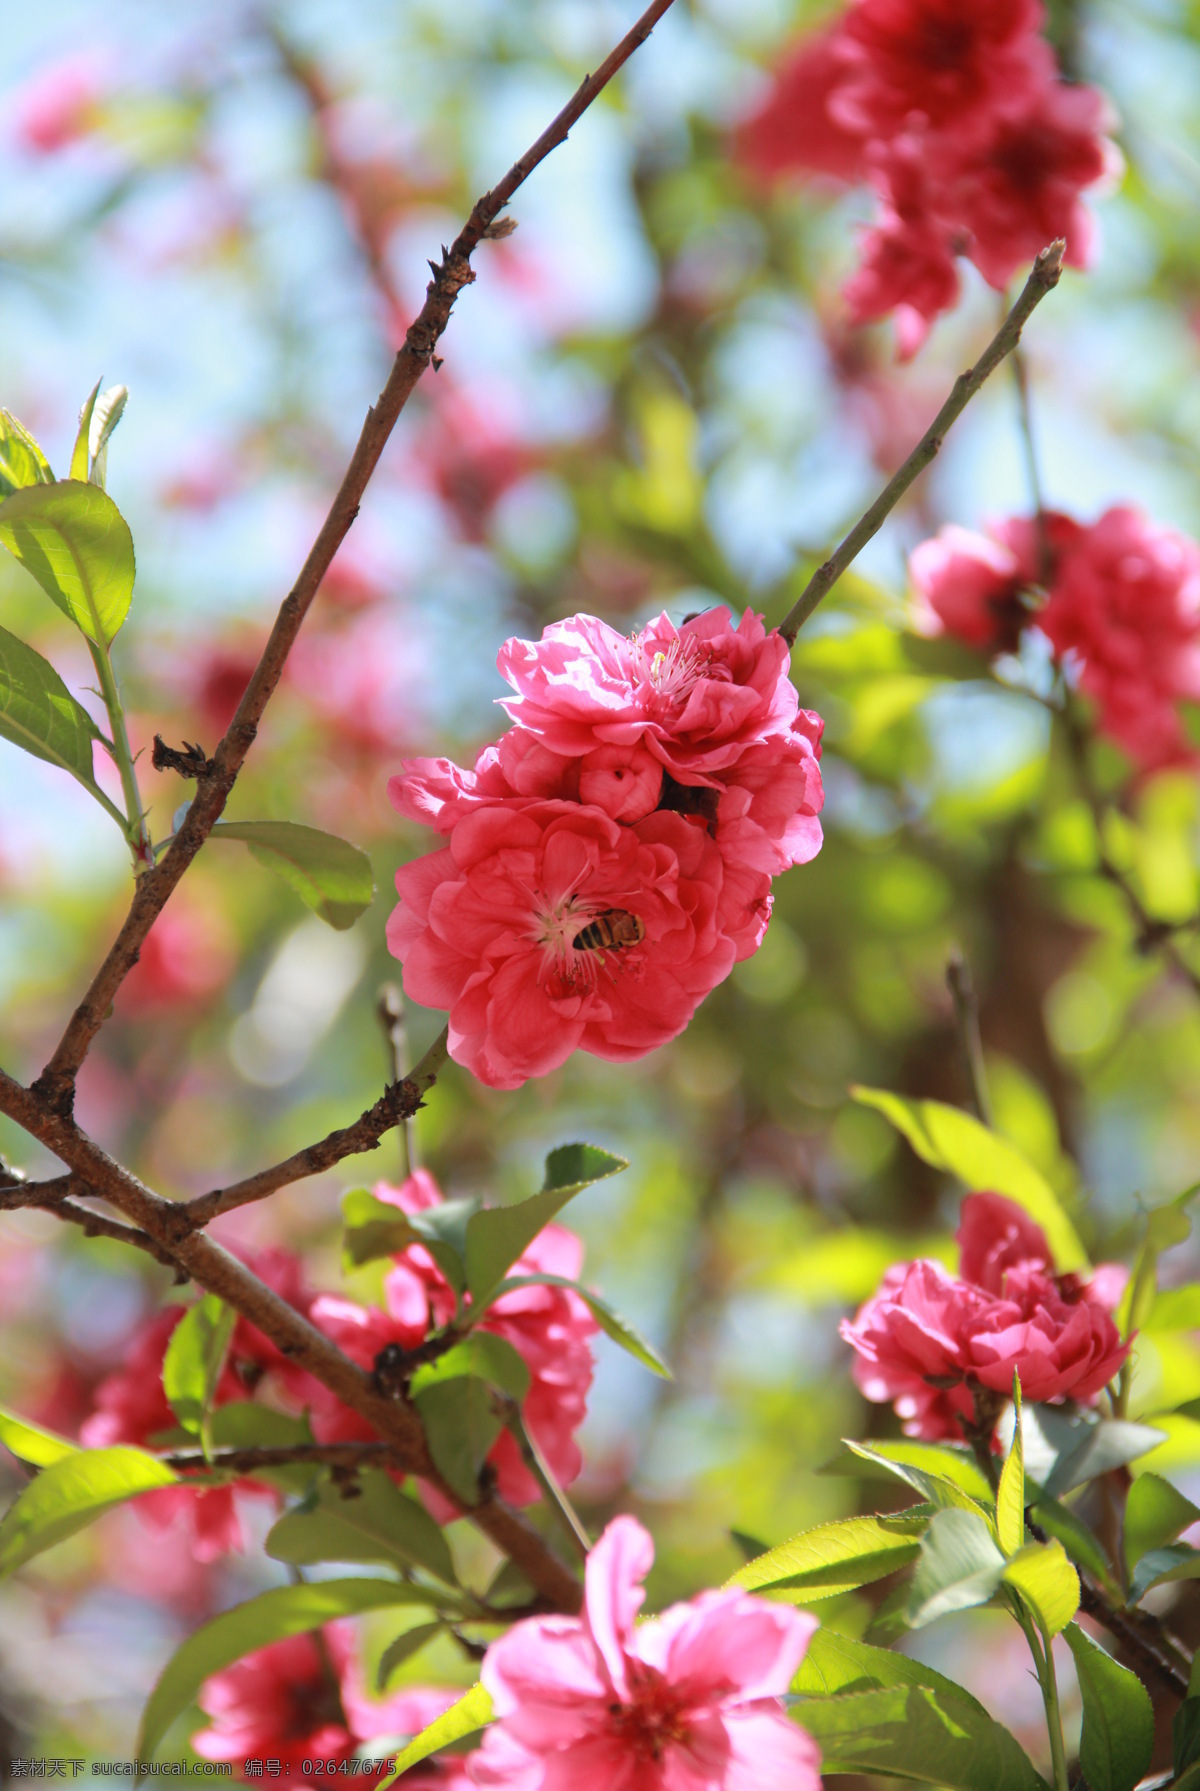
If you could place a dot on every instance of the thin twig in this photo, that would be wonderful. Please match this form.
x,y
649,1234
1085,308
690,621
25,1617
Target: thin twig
x,y
966,1016
55,1086
1032,469
52,1197
394,1020
215,1270
1044,278
552,1492
249,1461
393,1108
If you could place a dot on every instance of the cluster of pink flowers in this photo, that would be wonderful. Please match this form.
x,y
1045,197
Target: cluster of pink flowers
x,y
957,117
1122,601
610,858
549,1327
928,1337
131,1407
690,1699
303,1700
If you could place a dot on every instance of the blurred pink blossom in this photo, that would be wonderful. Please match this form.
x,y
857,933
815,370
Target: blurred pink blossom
x,y
690,1699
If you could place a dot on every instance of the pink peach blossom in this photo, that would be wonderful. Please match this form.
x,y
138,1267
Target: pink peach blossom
x,y
927,1337
302,1700
688,1701
1018,185
936,59
695,696
487,927
1126,603
131,1407
795,128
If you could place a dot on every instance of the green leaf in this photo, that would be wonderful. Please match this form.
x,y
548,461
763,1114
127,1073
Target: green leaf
x,y
380,1524
935,1489
885,1460
959,1566
1185,1731
914,1732
1118,1717
71,1493
610,1322
29,1442
951,1140
1160,1566
1047,1582
491,1358
461,1423
38,712
836,1664
406,1645
284,1611
376,1228
1010,1497
498,1235
330,876
80,459
76,543
21,460
1154,1513
834,1557
193,1362
472,1711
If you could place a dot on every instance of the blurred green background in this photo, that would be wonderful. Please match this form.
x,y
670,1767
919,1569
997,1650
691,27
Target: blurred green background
x,y
647,401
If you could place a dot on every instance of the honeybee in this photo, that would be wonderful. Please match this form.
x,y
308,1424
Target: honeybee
x,y
610,931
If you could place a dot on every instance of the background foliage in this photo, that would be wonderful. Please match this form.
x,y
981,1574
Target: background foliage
x,y
646,401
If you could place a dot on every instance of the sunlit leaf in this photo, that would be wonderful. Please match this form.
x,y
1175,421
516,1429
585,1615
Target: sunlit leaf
x,y
71,1493
38,712
330,876
76,543
1118,1717
1047,1582
80,458
284,1611
938,1489
913,1732
194,1358
29,1442
1010,1497
472,1712
834,1557
953,1141
886,1460
21,460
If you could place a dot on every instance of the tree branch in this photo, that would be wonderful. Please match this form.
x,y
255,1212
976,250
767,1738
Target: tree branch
x,y
218,1272
55,1086
394,1107
1047,270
